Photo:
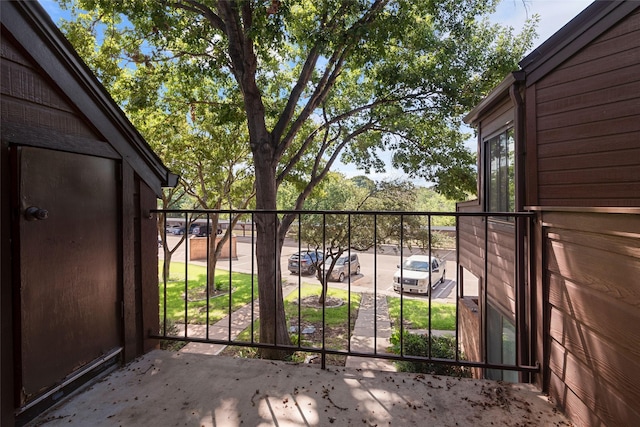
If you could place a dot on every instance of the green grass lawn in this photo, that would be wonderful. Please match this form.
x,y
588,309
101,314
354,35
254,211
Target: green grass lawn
x,y
309,315
333,315
196,305
241,284
416,314
335,320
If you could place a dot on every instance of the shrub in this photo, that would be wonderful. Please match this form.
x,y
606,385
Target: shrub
x,y
443,347
172,330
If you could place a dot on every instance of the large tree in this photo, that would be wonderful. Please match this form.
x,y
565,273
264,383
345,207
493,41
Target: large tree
x,y
323,79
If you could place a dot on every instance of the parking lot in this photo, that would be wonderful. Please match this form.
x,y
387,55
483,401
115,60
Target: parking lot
x,y
384,263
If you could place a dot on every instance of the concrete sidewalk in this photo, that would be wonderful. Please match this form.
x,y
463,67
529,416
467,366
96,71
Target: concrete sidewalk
x,y
371,334
365,338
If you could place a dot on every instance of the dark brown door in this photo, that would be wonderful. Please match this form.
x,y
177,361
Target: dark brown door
x,y
69,280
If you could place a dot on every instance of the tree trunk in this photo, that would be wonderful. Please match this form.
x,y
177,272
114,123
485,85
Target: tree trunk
x,y
323,293
273,325
215,245
213,251
324,274
166,265
168,255
211,264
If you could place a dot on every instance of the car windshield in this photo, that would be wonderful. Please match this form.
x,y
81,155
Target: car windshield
x,y
306,255
340,261
415,265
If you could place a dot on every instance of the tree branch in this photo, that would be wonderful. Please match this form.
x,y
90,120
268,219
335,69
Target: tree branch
x,y
327,123
305,74
296,92
330,75
201,9
325,83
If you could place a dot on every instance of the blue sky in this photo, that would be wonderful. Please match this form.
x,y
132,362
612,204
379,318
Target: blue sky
x,y
554,14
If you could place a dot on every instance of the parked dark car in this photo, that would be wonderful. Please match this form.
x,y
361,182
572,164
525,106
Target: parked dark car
x,y
204,230
305,262
179,230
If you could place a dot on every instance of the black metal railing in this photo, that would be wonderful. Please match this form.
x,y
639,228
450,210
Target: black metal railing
x,y
195,307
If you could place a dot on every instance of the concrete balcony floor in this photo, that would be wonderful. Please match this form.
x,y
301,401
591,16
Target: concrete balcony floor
x,y
166,388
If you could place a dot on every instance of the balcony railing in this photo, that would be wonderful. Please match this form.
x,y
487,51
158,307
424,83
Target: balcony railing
x,y
362,315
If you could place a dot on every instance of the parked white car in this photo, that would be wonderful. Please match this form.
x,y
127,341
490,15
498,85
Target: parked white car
x,y
413,275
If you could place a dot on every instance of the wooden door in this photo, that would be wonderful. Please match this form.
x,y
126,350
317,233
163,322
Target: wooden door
x,y
69,288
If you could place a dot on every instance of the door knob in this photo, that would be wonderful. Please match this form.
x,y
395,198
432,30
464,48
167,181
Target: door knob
x,y
34,213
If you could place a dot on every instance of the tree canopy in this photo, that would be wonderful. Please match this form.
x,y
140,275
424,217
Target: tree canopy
x,y
325,79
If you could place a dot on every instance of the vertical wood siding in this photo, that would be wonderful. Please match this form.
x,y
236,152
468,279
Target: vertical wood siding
x,y
130,263
149,292
592,271
588,124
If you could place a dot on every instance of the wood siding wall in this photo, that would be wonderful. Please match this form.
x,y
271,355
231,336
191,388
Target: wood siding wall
x,y
28,99
591,271
470,333
501,244
582,133
587,128
497,118
500,267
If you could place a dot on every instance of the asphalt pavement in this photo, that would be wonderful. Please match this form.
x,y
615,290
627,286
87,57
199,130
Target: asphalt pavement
x,y
384,262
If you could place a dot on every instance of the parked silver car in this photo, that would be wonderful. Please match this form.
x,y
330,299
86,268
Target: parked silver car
x,y
344,265
414,274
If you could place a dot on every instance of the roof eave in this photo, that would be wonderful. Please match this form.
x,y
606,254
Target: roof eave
x,y
492,98
577,33
121,134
